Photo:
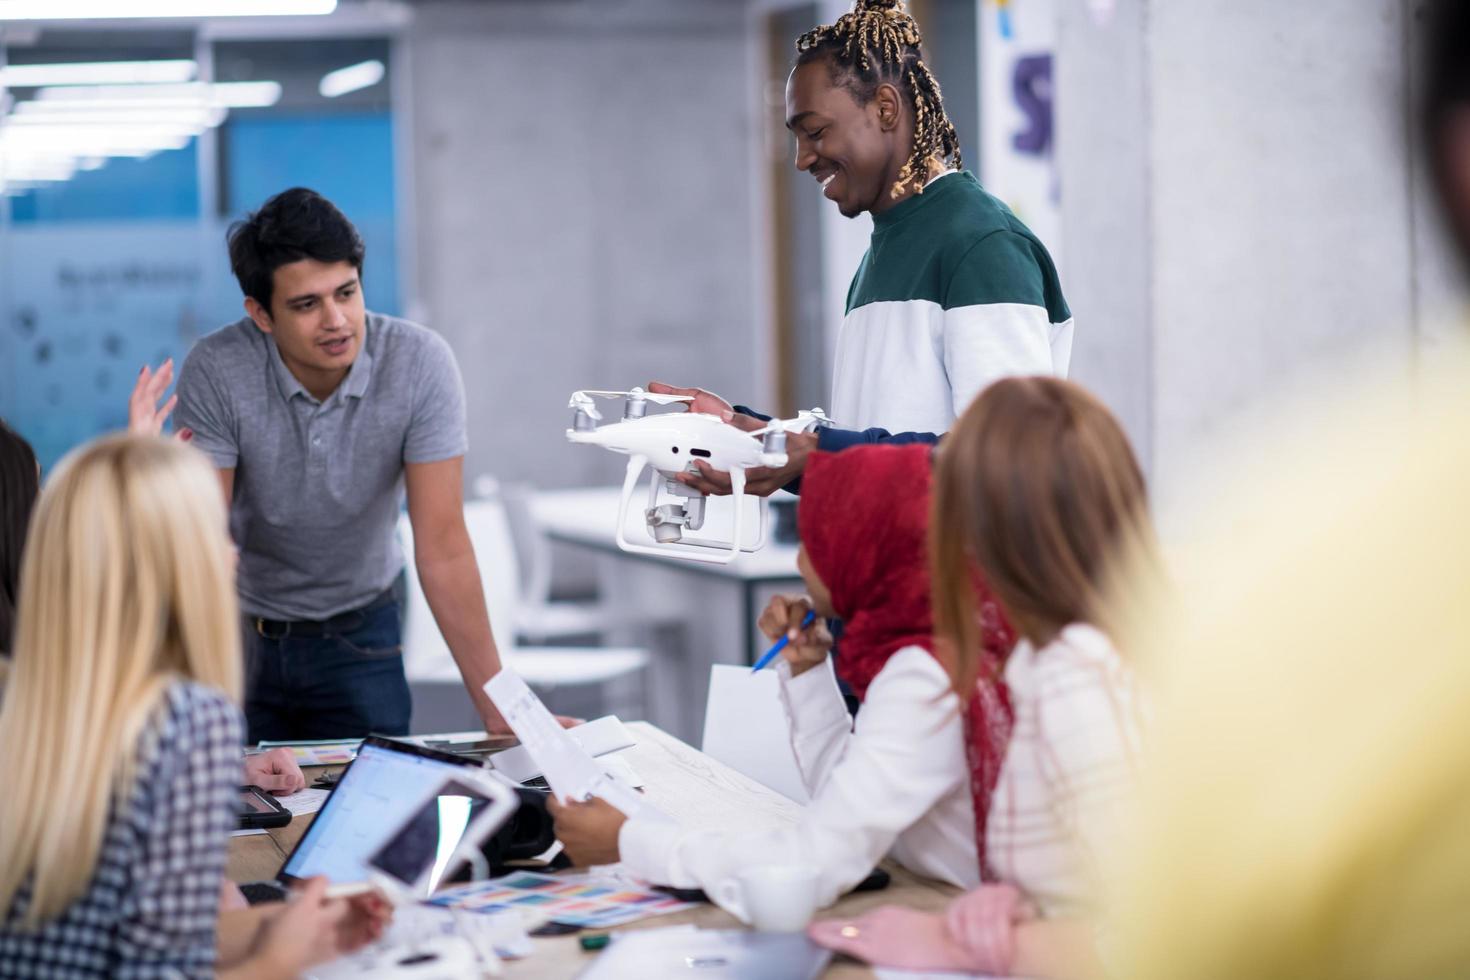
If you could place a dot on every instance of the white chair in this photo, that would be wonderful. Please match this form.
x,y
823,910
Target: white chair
x,y
538,617
428,662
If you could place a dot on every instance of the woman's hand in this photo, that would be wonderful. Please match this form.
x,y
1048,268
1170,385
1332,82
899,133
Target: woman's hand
x,y
312,929
976,934
805,648
894,937
588,831
367,917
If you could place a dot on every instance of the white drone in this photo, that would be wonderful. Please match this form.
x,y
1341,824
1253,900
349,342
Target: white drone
x,y
671,443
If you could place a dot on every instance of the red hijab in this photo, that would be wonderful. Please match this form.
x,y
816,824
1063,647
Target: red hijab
x,y
863,519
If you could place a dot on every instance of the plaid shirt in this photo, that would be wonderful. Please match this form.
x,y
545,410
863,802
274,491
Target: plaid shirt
x,y
151,907
1071,761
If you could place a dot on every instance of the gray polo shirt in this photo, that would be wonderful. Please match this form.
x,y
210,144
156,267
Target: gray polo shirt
x,y
319,485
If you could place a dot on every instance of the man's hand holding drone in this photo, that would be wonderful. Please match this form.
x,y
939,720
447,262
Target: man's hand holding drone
x,y
762,481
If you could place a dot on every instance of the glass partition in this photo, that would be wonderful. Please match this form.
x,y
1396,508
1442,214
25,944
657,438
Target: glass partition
x,y
124,158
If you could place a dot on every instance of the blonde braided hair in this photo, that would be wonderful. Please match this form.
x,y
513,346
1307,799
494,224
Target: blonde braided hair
x,y
879,42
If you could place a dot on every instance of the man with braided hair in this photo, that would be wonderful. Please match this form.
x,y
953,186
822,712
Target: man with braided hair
x,y
954,291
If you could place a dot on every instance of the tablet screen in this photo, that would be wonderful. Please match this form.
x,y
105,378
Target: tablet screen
x,y
430,837
376,793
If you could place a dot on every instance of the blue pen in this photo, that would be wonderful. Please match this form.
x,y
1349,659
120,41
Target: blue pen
x,y
779,645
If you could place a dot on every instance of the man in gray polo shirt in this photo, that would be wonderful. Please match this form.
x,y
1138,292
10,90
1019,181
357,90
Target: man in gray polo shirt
x,y
319,415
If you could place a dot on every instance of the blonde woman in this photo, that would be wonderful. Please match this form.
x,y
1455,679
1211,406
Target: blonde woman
x,y
120,736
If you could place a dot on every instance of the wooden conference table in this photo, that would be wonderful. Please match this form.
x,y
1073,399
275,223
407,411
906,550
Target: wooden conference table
x,y
686,784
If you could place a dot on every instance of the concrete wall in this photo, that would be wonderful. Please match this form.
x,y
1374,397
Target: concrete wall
x,y
1280,206
584,211
1102,126
1241,207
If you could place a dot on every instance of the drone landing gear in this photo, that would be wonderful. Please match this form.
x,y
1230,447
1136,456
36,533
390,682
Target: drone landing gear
x,y
667,522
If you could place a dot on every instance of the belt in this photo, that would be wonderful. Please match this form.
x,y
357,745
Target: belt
x,y
279,629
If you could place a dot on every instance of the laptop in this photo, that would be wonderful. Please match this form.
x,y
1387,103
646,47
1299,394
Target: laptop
x,y
680,952
384,788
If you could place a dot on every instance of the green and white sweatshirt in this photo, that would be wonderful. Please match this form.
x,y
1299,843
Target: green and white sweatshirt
x,y
953,293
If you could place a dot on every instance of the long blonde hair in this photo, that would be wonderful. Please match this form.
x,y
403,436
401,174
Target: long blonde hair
x,y
126,584
1037,489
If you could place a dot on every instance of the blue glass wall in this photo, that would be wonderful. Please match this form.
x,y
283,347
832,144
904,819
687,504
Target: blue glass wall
x,y
347,158
162,187
118,267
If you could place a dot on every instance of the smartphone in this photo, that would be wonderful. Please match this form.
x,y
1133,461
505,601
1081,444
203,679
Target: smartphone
x,y
258,810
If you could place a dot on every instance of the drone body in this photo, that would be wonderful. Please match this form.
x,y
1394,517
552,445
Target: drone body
x,y
670,444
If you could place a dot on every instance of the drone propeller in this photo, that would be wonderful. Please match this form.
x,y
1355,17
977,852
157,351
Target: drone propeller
x,y
585,405
804,422
648,396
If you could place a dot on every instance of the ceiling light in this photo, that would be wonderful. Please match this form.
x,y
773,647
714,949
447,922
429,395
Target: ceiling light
x,y
350,79
63,109
191,9
70,134
97,73
37,168
234,95
94,140
133,142
203,116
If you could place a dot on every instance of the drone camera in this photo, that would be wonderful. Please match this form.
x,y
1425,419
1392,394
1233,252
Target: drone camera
x,y
666,521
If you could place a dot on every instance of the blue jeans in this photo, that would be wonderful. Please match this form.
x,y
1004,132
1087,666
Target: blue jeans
x,y
346,682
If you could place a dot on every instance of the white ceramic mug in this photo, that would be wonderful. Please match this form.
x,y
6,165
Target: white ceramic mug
x,y
772,897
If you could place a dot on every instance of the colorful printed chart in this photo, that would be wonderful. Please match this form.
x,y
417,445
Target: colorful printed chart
x,y
579,899
331,752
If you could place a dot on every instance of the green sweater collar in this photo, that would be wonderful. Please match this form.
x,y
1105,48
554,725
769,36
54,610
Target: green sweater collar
x,y
939,188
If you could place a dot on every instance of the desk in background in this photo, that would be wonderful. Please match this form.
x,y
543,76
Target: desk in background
x,y
689,786
715,605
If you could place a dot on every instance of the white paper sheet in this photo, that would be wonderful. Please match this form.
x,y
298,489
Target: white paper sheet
x,y
620,768
599,737
303,801
572,773
746,728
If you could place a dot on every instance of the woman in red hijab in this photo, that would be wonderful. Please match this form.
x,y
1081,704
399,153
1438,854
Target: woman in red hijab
x,y
898,782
